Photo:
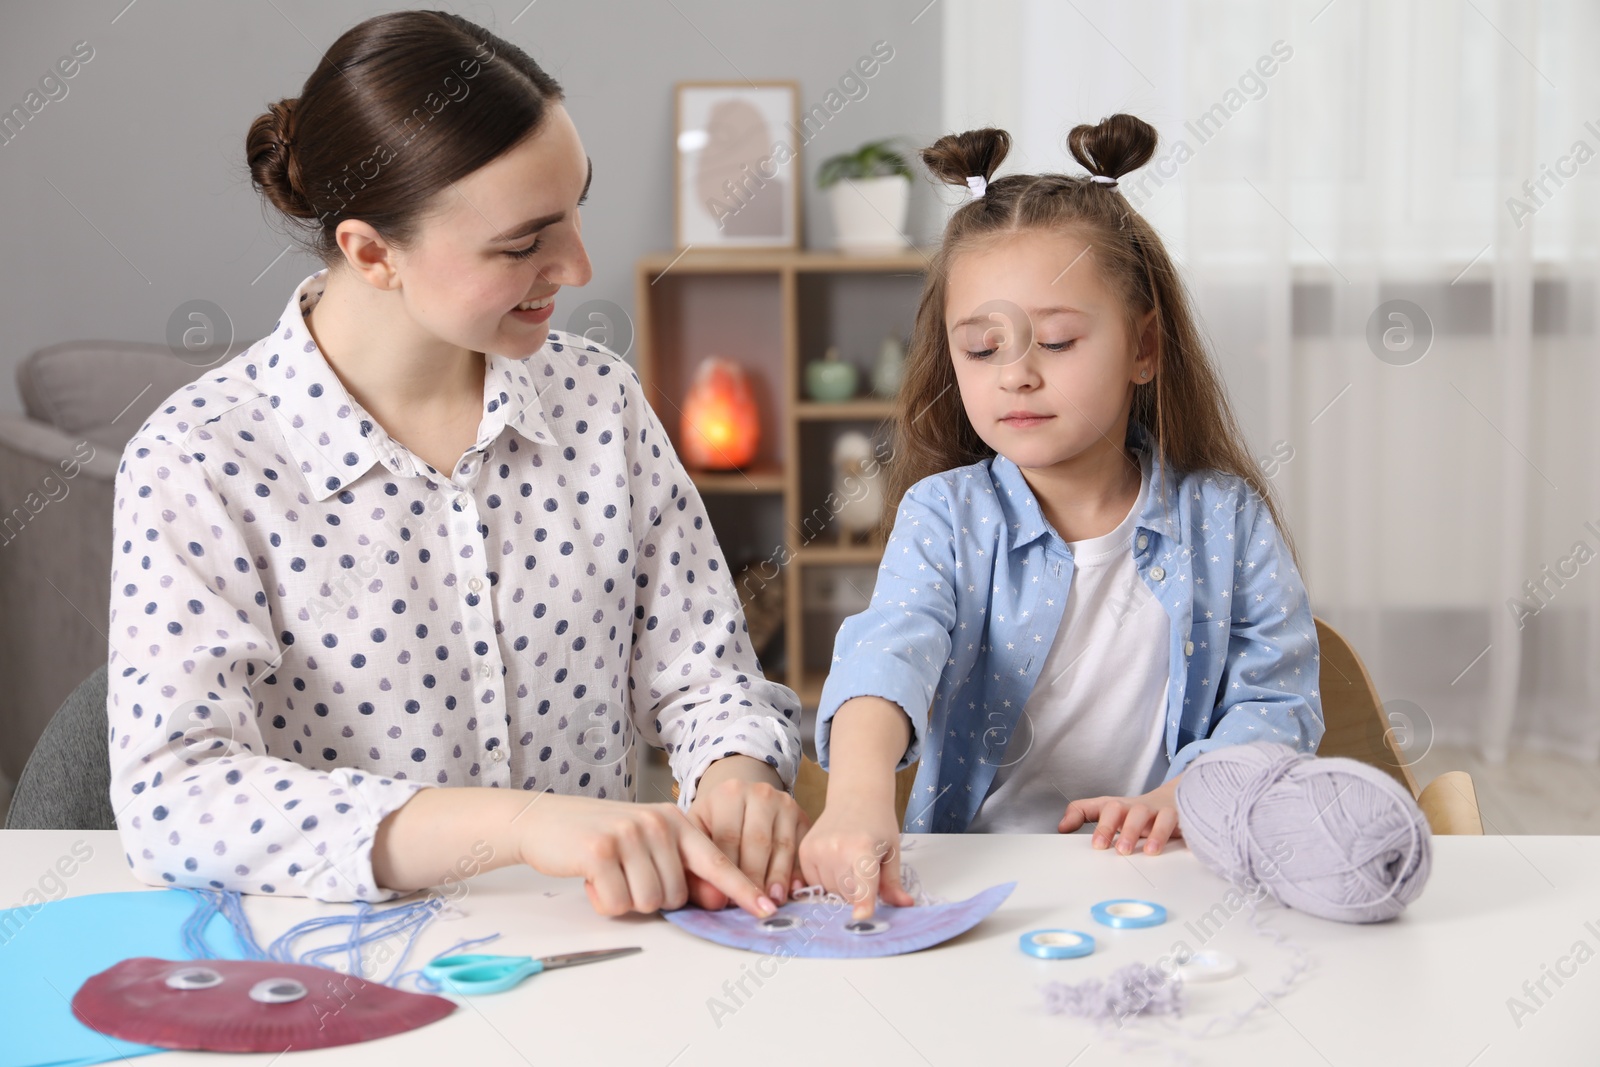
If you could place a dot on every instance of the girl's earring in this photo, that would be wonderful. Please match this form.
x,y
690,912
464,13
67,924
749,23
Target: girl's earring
x,y
1143,375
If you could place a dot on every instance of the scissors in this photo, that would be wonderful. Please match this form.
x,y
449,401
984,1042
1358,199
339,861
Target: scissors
x,y
472,974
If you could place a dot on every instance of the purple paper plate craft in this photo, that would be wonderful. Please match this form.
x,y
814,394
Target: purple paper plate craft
x,y
822,928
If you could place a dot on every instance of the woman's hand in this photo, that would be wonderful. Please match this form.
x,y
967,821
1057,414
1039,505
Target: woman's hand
x,y
1128,819
854,851
742,806
631,857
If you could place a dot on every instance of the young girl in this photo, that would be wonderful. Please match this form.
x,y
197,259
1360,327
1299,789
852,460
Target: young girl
x,y
413,542
1087,583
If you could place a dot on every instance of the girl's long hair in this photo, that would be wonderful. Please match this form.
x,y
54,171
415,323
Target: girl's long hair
x,y
1183,407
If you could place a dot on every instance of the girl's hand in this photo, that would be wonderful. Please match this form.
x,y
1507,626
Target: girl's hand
x,y
1128,818
631,857
854,851
742,806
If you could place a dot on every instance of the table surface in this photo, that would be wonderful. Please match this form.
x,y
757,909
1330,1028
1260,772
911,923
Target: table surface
x,y
1432,987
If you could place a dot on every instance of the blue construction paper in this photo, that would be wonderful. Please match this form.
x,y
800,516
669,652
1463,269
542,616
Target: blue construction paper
x,y
47,951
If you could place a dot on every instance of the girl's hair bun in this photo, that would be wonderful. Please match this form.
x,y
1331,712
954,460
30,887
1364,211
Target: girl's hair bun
x,y
956,157
268,148
1113,146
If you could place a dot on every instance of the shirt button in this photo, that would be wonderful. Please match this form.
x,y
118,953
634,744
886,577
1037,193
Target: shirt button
x,y
484,670
1188,648
474,584
1158,573
1143,541
497,754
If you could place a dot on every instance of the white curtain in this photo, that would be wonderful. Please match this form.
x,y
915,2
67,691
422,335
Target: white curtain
x,y
1320,160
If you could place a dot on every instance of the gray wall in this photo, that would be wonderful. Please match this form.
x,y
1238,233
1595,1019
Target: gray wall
x,y
129,196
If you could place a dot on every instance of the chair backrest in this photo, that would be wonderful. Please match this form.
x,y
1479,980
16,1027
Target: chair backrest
x,y
1352,715
811,788
1356,726
66,784
1450,803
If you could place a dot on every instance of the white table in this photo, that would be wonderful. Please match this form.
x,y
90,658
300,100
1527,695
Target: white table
x,y
1431,988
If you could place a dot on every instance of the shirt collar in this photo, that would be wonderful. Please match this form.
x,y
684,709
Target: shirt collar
x,y
1027,522
334,439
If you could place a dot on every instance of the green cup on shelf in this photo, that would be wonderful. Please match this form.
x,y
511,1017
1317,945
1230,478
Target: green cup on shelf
x,y
831,379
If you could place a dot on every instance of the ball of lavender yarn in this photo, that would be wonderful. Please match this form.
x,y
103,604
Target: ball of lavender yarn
x,y
1333,836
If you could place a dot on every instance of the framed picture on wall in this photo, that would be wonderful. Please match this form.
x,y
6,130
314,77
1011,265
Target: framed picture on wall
x,y
738,165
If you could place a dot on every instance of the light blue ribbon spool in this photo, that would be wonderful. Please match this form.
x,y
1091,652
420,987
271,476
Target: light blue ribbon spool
x,y
1128,914
1057,944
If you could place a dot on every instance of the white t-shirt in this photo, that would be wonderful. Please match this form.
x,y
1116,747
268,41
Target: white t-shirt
x,y
1095,723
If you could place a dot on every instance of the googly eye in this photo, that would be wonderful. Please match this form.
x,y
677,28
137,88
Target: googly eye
x,y
193,978
779,923
277,991
865,927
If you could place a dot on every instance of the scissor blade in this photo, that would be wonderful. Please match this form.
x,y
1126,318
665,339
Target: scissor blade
x,y
573,959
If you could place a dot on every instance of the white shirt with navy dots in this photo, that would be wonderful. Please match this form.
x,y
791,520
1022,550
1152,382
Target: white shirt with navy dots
x,y
309,622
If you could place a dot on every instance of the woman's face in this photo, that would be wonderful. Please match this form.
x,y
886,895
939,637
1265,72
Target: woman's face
x,y
506,234
1042,355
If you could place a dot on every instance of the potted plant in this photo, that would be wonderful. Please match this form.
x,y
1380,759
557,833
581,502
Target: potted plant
x,y
869,191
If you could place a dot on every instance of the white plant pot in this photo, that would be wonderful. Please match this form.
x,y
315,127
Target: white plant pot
x,y
869,215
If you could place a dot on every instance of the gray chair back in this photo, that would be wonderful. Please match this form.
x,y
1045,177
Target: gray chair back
x,y
67,782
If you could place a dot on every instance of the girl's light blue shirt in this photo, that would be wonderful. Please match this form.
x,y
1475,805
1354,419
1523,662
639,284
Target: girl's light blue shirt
x,y
971,590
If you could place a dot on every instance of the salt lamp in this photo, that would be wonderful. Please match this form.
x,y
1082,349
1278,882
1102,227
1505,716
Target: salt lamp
x,y
721,426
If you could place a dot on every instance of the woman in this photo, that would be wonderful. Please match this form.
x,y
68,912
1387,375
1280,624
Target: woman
x,y
413,540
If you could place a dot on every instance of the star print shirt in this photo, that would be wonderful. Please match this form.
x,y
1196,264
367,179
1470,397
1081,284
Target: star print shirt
x,y
971,591
309,623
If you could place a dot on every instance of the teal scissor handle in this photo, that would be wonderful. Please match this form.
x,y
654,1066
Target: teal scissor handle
x,y
474,974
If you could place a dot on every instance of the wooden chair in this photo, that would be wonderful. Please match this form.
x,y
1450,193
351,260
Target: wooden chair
x,y
1352,714
811,788
1354,726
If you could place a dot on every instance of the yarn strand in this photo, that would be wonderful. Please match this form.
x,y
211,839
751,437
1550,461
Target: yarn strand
x,y
355,932
909,881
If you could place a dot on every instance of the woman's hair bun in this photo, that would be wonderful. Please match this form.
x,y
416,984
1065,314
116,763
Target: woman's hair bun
x,y
268,148
1114,145
956,157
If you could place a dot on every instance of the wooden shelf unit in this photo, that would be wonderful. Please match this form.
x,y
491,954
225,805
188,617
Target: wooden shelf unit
x,y
848,409
753,480
772,312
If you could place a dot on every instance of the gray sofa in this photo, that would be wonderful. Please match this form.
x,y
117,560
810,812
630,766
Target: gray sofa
x,y
83,401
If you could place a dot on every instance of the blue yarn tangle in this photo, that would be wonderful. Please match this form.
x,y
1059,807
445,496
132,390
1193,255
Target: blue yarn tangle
x,y
208,904
324,940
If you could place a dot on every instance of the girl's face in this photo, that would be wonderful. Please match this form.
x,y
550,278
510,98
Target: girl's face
x,y
505,234
1042,353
